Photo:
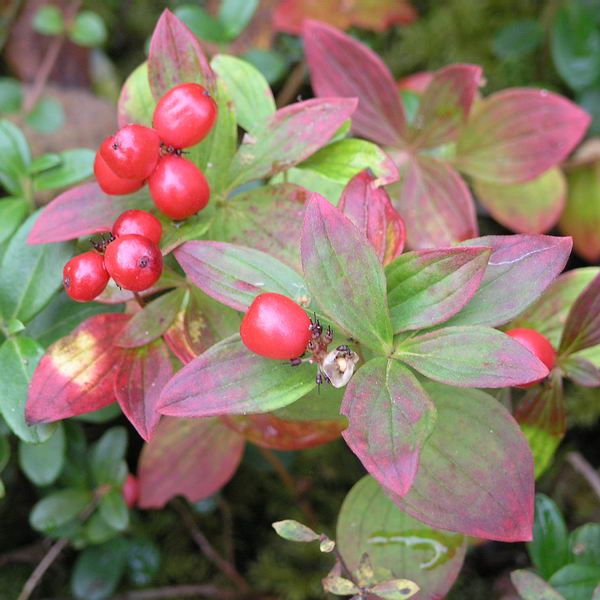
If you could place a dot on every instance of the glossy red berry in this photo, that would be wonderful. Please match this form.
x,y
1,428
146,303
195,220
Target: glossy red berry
x,y
131,490
184,115
132,153
139,222
134,262
112,184
537,344
85,277
275,327
178,187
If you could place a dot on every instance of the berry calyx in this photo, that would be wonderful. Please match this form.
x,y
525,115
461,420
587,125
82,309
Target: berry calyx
x,y
537,344
130,490
178,187
112,184
134,262
184,115
139,222
275,327
85,277
132,153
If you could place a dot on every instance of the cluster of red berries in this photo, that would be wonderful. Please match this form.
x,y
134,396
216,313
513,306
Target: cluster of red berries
x,y
137,154
130,256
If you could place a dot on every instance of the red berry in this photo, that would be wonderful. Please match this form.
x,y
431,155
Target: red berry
x,y
537,344
178,187
275,327
139,222
132,153
131,490
113,184
85,277
134,262
184,115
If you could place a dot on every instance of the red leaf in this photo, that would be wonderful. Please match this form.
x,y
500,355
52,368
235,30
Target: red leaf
x,y
176,57
417,82
77,373
341,66
377,15
435,203
191,457
515,135
139,380
81,211
270,431
445,106
370,209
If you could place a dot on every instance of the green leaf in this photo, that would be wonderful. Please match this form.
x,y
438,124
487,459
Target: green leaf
x,y
48,20
319,405
16,157
4,452
97,531
248,89
269,62
395,589
517,39
136,102
533,587
44,162
59,508
202,23
18,358
339,586
114,510
31,275
42,463
294,532
46,116
106,456
12,213
75,166
88,29
576,582
549,550
344,275
585,544
143,561
11,95
235,15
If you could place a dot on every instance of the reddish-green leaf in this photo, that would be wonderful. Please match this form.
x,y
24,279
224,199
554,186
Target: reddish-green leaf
x,y
152,321
396,543
176,57
342,66
517,134
77,373
190,457
229,379
139,380
136,103
445,106
532,587
235,275
427,287
520,269
343,274
434,202
531,207
390,417
581,371
288,137
369,207
65,219
458,487
471,357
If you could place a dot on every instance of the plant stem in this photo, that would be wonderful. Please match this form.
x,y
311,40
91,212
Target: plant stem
x,y
583,467
139,299
293,83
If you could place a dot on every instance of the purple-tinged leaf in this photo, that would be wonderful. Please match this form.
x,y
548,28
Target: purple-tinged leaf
x,y
235,275
176,57
136,103
581,371
390,416
342,66
229,379
520,269
458,487
471,357
344,276
445,106
532,587
369,207
582,329
287,138
64,219
531,207
427,287
516,134
434,202
152,321
140,377
396,543
191,457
